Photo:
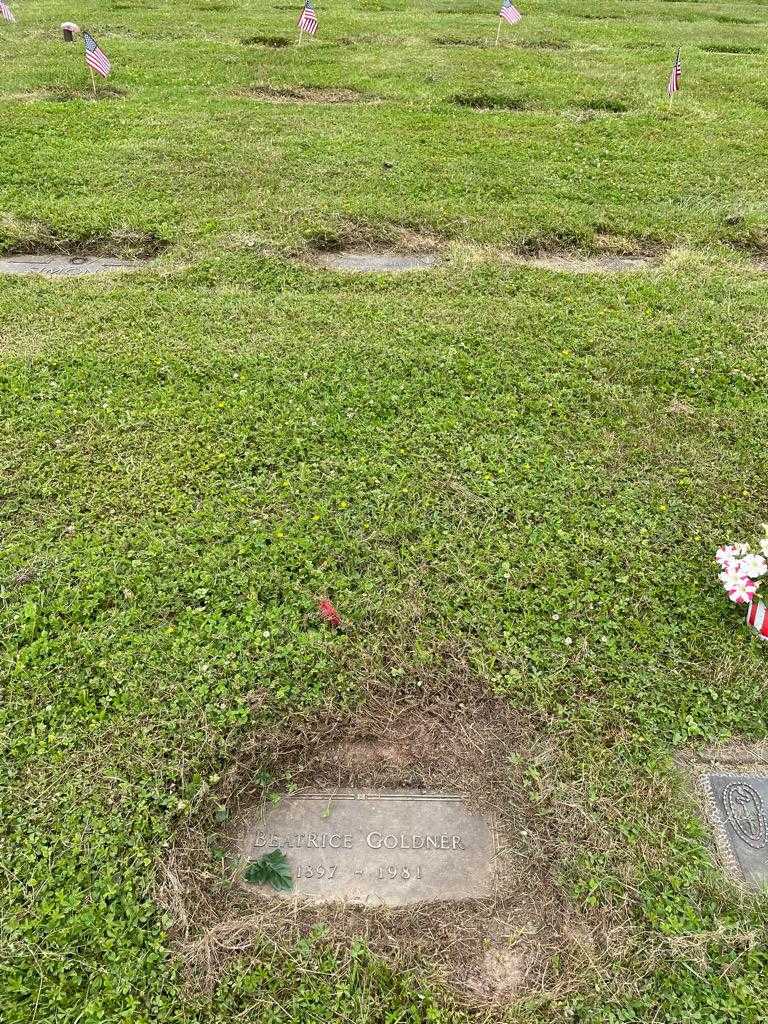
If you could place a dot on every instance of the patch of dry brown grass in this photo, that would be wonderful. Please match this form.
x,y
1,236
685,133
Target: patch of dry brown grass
x,y
446,733
304,94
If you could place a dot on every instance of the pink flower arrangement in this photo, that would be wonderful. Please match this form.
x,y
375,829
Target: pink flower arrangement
x,y
742,569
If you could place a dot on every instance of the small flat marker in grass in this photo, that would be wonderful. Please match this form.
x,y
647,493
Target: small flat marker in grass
x,y
56,265
588,263
376,262
737,802
371,848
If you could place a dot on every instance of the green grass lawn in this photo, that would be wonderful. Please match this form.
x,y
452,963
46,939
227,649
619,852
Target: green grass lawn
x,y
193,454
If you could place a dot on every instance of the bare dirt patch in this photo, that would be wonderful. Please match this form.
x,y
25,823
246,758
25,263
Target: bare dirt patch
x,y
583,115
728,19
304,94
603,253
603,106
363,39
490,43
363,249
359,236
31,238
63,94
488,101
679,408
443,731
276,42
734,753
500,975
541,44
734,48
449,41
749,240
362,755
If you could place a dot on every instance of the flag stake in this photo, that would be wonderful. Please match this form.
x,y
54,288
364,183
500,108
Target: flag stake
x,y
93,81
508,13
301,33
673,84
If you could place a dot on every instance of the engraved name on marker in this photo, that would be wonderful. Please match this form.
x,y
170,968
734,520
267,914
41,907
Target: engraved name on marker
x,y
375,848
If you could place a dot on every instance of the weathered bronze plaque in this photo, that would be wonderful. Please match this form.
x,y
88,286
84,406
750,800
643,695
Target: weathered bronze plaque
x,y
739,806
375,848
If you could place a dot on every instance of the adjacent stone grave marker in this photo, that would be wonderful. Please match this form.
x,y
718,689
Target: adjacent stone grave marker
x,y
56,265
739,805
582,263
376,262
375,847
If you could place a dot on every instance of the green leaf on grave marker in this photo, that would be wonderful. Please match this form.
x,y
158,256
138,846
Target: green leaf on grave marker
x,y
271,869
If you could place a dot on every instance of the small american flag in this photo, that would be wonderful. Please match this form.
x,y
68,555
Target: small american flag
x,y
308,19
6,12
95,57
509,12
674,79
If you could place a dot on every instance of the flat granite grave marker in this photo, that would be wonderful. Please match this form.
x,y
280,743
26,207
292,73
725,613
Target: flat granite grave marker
x,y
374,847
56,265
375,262
739,804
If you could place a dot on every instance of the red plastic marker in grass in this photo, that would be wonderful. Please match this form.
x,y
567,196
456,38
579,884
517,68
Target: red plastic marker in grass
x,y
329,613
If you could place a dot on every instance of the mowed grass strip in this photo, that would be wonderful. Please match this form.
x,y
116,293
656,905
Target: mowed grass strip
x,y
522,469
